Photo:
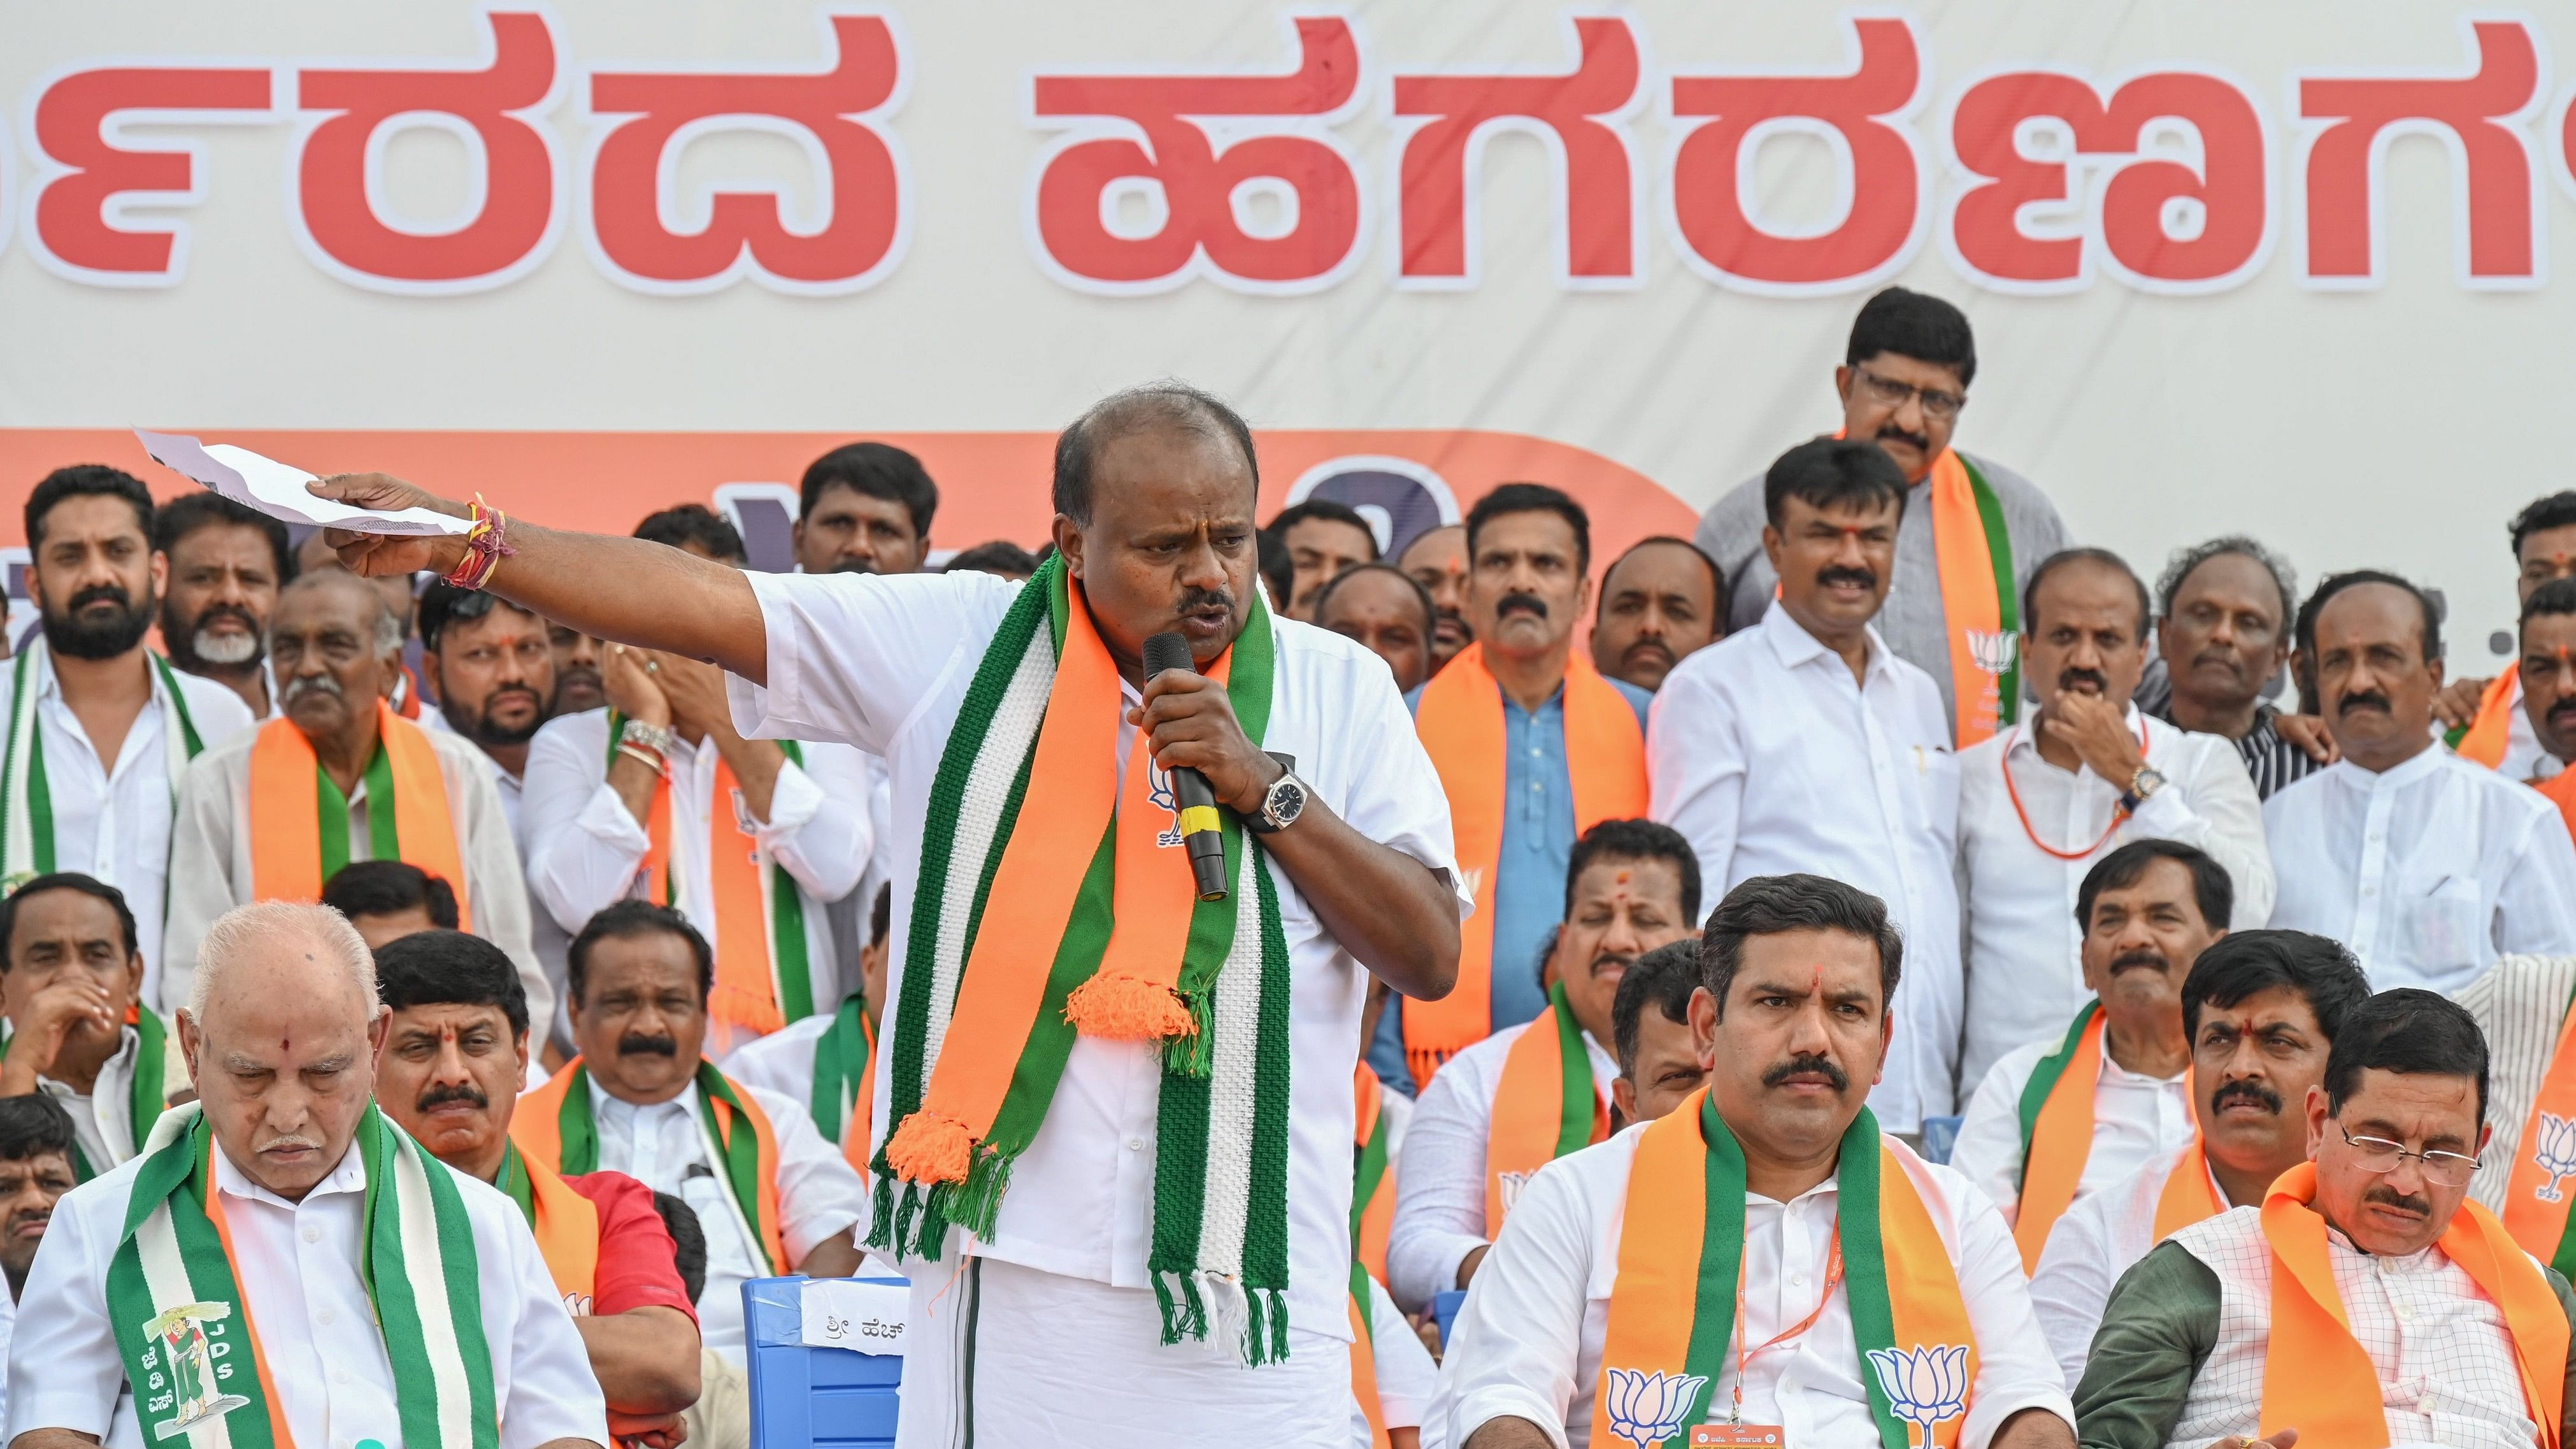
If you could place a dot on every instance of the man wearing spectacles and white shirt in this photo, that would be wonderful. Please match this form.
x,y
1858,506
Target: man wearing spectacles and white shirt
x,y
2426,866
1902,385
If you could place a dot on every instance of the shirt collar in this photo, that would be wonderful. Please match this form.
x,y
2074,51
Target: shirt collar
x,y
118,1068
2025,737
602,1102
2423,763
349,1176
1794,646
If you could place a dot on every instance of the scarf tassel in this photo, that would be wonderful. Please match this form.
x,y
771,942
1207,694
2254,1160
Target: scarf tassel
x,y
881,1218
1119,1007
1189,1055
1256,1319
1185,1313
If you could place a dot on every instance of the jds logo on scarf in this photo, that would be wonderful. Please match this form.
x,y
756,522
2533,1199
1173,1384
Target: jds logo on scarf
x,y
183,1373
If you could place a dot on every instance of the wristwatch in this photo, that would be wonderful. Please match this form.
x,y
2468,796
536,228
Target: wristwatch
x,y
657,738
1280,805
2146,782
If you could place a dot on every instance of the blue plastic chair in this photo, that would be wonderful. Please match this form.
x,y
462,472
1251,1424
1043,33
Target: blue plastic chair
x,y
1940,1135
813,1398
1444,1311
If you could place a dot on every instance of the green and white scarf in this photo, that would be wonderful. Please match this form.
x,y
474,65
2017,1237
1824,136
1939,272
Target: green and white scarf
x,y
184,1328
1219,1255
147,1092
26,795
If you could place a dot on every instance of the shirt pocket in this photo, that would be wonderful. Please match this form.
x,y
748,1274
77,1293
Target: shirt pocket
x,y
2446,925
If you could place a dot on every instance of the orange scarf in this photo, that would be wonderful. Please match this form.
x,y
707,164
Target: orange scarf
x,y
2318,1379
1974,557
2188,1196
763,977
551,1122
566,1225
2057,1131
286,846
1374,1212
1538,1115
1460,720
2536,1199
2491,730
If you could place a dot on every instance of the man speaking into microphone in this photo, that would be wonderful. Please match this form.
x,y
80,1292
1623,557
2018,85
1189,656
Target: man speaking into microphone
x,y
1140,1125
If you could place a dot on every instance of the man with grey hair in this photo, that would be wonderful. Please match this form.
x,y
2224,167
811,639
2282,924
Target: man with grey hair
x,y
2222,636
248,826
283,1260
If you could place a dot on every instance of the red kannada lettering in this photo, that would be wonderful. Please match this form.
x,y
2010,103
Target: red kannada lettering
x,y
2478,112
1578,111
93,176
1885,215
2165,223
1316,186
746,231
517,211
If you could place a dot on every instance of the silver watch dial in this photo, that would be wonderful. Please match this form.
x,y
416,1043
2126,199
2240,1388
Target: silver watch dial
x,y
1286,802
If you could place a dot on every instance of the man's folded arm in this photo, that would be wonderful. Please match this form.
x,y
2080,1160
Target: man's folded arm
x,y
2157,1330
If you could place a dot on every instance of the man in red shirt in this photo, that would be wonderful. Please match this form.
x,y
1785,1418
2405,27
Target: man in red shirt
x,y
454,1061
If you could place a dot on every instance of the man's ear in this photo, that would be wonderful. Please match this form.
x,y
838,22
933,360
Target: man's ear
x,y
1623,1096
190,1039
1068,541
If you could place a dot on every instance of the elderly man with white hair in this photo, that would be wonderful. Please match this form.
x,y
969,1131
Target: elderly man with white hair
x,y
251,823
282,1264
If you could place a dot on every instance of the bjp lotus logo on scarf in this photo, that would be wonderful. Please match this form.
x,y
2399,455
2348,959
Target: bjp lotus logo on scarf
x,y
1648,1408
1925,1386
2555,1152
1158,791
1994,650
183,1378
1509,1186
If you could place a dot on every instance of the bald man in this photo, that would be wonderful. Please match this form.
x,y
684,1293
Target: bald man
x,y
246,827
375,1315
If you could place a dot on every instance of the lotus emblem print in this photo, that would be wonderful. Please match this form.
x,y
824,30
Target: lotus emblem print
x,y
1511,1185
1994,650
2555,1152
1647,1409
1925,1386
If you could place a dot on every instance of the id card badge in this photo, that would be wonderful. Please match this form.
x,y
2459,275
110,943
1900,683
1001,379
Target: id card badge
x,y
1724,1436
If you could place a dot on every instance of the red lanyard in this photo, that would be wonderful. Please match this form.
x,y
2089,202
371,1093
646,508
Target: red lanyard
x,y
1833,1279
2119,814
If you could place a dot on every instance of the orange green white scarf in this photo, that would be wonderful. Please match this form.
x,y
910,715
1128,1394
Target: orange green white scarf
x,y
1545,1106
26,791
1053,901
1671,1331
2536,1197
844,1092
1372,1214
1460,720
554,1127
2319,1379
1979,598
2188,1196
2487,734
565,1223
299,820
764,969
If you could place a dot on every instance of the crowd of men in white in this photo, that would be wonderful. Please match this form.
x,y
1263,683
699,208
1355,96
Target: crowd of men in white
x,y
2144,853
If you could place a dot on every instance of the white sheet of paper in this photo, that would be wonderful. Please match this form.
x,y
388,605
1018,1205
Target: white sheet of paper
x,y
277,489
853,1314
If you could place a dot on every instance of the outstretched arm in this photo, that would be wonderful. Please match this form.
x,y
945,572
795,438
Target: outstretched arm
x,y
613,588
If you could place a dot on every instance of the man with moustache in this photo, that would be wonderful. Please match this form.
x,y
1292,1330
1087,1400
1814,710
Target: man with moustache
x,y
1527,1094
577,657
1325,540
2546,676
35,1172
1660,600
2480,717
339,1286
225,564
642,1099
2260,1009
1806,743
1765,1260
2055,1121
2426,865
69,981
1650,1023
2041,803
2223,635
1903,383
2368,1300
454,1060
493,669
251,810
101,729
1534,747
1437,560
1383,608
864,508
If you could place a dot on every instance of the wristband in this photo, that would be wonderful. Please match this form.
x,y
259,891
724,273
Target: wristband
x,y
486,544
656,739
642,756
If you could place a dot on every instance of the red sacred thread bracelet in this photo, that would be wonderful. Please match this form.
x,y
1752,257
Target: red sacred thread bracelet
x,y
486,544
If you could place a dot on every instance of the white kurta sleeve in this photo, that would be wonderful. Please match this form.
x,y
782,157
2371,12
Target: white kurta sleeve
x,y
201,869
852,655
1695,765
2015,1370
819,828
818,1194
1988,1152
583,846
2074,1278
64,1368
2218,811
552,1392
494,881
1514,1348
2536,905
1440,1193
1406,1374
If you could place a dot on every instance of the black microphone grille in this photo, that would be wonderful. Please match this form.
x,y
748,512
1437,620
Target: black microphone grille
x,y
1168,651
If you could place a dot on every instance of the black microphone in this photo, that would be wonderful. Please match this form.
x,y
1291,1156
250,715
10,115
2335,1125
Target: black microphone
x,y
1202,829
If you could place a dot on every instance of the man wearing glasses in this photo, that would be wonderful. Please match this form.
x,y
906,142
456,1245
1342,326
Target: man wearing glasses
x,y
2367,1301
1972,530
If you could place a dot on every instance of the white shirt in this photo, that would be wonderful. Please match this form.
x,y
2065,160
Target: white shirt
x,y
103,1120
2025,975
2135,1117
587,849
781,1062
664,1146
297,1264
113,821
882,662
211,870
1406,1374
1770,759
1528,1342
2425,871
2100,1238
1440,1195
